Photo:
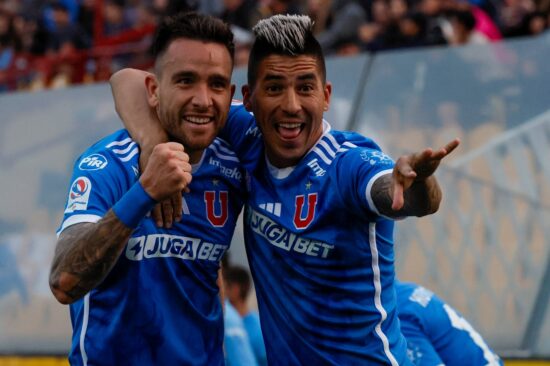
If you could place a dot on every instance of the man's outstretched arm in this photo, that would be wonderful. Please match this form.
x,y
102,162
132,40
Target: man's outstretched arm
x,y
412,189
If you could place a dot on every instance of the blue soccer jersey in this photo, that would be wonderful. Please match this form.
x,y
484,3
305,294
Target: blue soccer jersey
x,y
321,255
159,305
436,333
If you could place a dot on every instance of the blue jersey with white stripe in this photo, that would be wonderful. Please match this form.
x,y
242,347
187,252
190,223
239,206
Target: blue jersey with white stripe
x,y
436,333
321,255
159,305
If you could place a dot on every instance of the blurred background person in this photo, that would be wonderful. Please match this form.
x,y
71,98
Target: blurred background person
x,y
238,285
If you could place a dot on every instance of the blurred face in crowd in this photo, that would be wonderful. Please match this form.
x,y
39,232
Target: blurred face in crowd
x,y
192,92
288,101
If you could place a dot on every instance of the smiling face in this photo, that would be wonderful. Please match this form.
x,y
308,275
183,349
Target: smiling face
x,y
192,92
288,101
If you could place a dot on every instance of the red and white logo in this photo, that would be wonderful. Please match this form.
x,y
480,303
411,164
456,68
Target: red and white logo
x,y
79,195
299,221
220,218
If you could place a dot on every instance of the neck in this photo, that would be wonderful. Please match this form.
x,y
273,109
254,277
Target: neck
x,y
241,308
194,155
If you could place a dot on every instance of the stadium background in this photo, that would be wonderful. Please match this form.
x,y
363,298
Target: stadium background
x,y
487,251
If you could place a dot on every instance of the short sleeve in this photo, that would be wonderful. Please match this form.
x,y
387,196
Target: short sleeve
x,y
98,181
356,172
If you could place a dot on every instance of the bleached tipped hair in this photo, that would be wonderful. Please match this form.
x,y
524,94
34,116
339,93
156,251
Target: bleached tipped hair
x,y
285,32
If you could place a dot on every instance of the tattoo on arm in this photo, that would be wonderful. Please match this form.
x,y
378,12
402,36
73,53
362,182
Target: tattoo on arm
x,y
85,254
422,198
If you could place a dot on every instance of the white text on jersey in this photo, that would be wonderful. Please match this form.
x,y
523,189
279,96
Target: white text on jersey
x,y
284,239
164,245
229,173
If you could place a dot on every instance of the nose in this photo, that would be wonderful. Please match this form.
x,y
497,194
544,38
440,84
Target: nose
x,y
291,102
201,96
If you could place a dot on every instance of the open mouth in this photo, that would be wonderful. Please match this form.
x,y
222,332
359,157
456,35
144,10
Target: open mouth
x,y
198,120
289,130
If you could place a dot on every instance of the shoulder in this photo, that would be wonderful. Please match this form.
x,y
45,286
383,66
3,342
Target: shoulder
x,y
114,152
222,150
350,148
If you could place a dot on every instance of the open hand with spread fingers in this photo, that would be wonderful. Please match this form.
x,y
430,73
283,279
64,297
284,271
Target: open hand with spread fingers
x,y
416,167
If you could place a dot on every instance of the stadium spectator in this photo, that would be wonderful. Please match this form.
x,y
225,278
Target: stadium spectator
x,y
240,13
237,290
115,21
121,29
141,295
462,30
342,25
66,34
436,333
317,227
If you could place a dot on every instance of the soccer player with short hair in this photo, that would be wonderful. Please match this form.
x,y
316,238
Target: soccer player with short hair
x,y
318,219
139,294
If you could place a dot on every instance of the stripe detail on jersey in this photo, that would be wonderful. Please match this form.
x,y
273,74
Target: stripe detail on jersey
x,y
126,152
349,144
331,152
332,140
77,219
119,143
85,317
369,187
322,155
378,294
274,208
222,152
131,155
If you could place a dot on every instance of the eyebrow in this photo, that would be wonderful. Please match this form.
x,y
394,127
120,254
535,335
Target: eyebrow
x,y
180,74
220,77
308,76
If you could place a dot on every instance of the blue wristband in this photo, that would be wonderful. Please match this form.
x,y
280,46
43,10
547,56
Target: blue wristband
x,y
133,206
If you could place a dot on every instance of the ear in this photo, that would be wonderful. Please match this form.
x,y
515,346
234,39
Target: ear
x,y
327,93
152,87
247,97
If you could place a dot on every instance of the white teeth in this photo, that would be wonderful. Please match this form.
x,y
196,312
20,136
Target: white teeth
x,y
290,125
198,120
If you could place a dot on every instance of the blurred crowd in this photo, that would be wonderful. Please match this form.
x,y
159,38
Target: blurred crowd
x,y
54,43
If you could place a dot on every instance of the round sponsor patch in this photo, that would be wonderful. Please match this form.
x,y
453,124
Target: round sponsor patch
x,y
93,162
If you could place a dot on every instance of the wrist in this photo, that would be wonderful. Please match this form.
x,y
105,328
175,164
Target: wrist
x,y
133,206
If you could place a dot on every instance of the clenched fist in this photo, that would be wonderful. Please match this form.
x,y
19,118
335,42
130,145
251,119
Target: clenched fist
x,y
167,172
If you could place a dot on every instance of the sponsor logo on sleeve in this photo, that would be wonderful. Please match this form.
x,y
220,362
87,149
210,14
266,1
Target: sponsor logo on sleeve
x,y
79,195
93,162
373,157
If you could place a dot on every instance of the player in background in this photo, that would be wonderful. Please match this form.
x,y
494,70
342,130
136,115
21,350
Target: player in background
x,y
139,294
436,333
319,214
237,290
237,346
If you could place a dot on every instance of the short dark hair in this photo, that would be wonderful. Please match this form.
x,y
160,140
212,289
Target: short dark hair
x,y
239,276
286,35
192,25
